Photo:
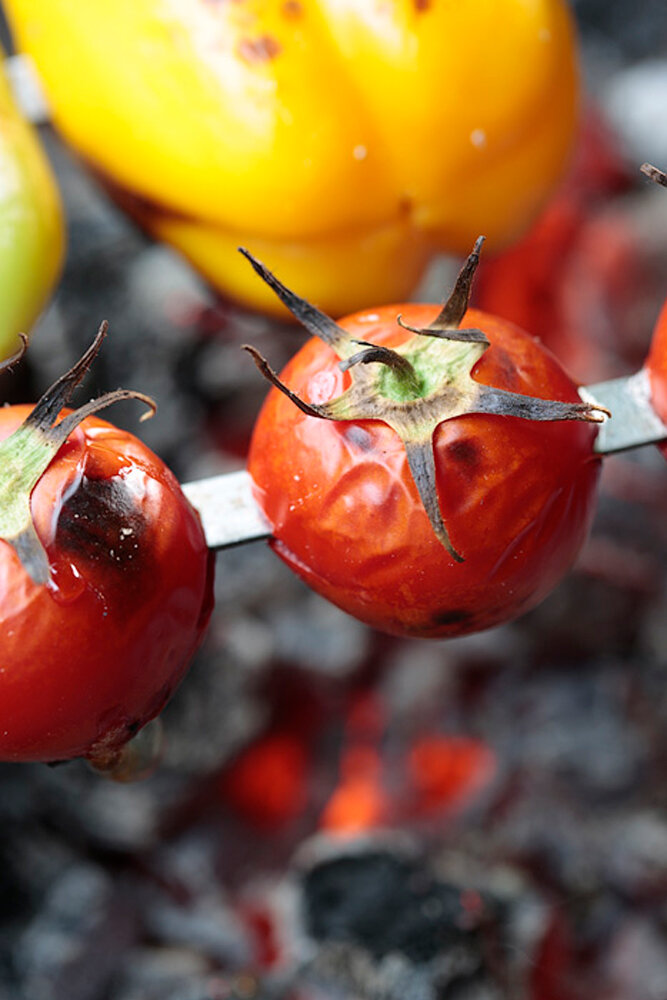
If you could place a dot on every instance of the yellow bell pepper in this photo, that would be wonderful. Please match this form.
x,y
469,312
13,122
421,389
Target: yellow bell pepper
x,y
342,141
31,226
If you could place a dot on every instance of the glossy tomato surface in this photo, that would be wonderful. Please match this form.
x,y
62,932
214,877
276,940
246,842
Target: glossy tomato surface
x,y
656,365
96,653
517,496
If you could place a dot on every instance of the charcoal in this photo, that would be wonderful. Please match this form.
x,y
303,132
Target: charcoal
x,y
631,37
637,960
574,727
635,854
187,905
312,633
384,904
151,973
383,925
73,946
217,711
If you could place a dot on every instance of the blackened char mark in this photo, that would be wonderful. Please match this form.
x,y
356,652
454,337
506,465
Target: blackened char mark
x,y
453,616
505,374
466,454
101,526
359,437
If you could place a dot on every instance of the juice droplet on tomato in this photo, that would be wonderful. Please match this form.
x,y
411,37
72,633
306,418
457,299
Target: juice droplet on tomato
x,y
66,584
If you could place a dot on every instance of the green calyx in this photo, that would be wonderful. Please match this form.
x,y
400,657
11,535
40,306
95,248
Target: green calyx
x,y
27,453
417,386
433,364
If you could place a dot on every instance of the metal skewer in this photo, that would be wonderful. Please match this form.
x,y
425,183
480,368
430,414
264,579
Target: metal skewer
x,y
231,515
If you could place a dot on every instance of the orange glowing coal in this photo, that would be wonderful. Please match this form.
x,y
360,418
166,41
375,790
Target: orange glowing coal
x,y
434,774
267,784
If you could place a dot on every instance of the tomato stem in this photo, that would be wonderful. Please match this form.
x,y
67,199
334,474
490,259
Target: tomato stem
x,y
454,309
311,409
10,362
399,365
421,460
469,335
315,321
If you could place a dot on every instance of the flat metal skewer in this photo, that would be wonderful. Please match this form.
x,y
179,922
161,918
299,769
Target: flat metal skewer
x,y
231,515
633,420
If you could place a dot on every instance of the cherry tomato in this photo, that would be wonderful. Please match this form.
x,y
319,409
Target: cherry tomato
x,y
516,496
656,365
93,654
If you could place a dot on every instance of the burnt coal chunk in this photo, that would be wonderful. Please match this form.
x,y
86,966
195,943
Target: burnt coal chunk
x,y
384,904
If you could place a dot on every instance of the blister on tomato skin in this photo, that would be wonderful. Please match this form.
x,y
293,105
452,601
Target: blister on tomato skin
x,y
508,462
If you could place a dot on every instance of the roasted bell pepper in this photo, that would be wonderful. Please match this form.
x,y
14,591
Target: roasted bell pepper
x,y
342,141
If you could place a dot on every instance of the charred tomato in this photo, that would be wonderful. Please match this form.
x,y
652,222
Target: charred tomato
x,y
105,591
656,362
452,481
656,366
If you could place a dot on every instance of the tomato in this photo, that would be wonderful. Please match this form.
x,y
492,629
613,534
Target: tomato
x,y
656,366
344,140
516,495
94,652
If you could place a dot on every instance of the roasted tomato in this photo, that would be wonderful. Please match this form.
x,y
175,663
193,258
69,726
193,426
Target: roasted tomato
x,y
105,583
433,499
656,365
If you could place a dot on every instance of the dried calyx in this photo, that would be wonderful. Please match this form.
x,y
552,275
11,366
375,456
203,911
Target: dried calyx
x,y
26,454
415,387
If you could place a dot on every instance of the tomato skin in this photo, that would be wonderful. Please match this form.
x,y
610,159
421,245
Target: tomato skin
x,y
517,496
656,365
91,657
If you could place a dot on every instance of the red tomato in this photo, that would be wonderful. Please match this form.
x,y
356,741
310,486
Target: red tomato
x,y
656,365
91,656
517,496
